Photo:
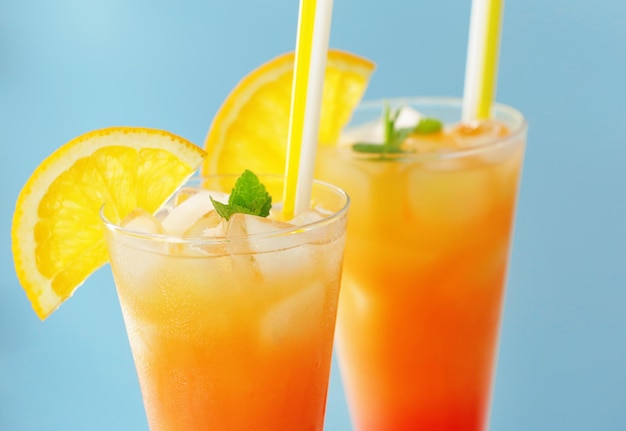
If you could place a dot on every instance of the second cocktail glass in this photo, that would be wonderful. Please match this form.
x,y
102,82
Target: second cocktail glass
x,y
425,269
233,332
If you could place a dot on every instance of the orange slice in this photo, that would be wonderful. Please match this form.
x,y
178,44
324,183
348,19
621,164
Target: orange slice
x,y
250,129
57,232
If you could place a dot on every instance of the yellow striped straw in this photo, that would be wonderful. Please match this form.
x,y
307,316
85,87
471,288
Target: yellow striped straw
x,y
482,59
306,100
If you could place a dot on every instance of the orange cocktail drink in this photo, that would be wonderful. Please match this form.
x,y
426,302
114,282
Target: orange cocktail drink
x,y
231,323
425,267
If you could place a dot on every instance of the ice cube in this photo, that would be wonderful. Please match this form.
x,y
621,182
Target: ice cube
x,y
408,117
186,192
319,234
430,143
210,224
140,220
271,258
451,203
136,258
162,213
306,217
294,317
244,225
190,210
368,132
473,134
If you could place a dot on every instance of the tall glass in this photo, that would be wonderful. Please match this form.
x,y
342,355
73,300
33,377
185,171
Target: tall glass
x,y
233,333
424,274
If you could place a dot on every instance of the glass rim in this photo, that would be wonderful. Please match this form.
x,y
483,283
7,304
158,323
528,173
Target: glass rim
x,y
202,240
451,102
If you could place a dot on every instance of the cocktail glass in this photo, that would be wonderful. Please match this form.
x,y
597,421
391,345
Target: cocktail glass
x,y
425,269
235,332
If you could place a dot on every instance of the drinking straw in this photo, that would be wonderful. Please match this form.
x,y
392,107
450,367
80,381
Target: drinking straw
x,y
482,58
306,102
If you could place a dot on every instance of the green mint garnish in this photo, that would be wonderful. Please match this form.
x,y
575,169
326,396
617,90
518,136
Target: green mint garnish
x,y
428,125
248,196
394,137
363,147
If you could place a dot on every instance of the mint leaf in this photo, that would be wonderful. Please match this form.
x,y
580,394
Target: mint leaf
x,y
389,120
223,210
428,125
401,135
248,196
367,147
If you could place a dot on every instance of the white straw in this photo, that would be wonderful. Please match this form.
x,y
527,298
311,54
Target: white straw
x,y
482,58
319,53
306,103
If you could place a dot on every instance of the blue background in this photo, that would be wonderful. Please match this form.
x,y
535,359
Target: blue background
x,y
69,66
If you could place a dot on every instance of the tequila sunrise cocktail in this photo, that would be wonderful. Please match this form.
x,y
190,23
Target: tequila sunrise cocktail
x,y
231,323
425,264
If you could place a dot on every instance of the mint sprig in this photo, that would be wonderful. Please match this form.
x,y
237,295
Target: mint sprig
x,y
249,196
393,136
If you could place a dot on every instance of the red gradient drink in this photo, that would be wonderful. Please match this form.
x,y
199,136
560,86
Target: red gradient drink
x,y
425,269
